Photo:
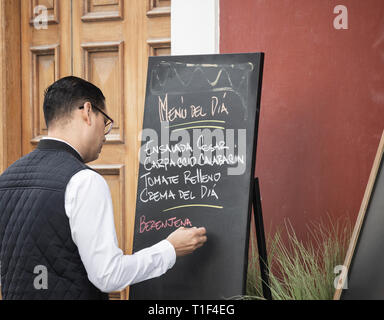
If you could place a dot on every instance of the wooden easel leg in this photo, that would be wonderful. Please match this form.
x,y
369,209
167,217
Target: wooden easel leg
x,y
261,244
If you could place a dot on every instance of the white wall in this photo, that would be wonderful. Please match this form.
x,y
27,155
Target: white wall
x,y
195,27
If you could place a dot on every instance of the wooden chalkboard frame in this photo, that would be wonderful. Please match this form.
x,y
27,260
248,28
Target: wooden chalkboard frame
x,y
361,216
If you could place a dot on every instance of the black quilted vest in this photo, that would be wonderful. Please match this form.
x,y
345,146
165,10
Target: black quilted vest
x,y
35,231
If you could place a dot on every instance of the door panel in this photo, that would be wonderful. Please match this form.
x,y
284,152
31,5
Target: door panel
x,y
45,70
102,63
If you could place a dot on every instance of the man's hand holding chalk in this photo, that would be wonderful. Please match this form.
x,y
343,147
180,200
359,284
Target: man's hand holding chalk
x,y
187,240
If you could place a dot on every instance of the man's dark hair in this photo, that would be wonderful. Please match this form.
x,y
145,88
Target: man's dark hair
x,y
67,94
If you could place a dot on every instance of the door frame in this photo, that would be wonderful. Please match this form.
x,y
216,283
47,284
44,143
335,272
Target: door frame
x,y
10,82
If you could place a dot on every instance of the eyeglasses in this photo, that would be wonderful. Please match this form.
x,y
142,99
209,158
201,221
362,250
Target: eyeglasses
x,y
108,123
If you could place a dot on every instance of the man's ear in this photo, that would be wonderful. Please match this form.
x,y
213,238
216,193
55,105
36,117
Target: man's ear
x,y
86,112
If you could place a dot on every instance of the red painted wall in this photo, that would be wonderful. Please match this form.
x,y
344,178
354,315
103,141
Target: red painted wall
x,y
322,106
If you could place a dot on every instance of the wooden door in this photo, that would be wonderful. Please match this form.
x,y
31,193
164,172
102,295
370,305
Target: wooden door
x,y
106,42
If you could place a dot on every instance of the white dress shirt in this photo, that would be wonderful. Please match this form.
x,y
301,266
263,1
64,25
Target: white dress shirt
x,y
88,205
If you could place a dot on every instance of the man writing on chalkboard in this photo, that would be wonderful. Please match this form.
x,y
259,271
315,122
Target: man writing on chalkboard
x,y
57,233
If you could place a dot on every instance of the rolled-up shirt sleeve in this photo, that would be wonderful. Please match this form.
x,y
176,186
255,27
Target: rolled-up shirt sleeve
x,y
88,205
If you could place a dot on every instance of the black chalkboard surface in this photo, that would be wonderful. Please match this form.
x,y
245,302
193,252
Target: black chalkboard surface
x,y
197,163
364,263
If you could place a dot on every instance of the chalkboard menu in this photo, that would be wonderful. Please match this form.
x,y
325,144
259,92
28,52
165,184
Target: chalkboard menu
x,y
361,276
197,162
